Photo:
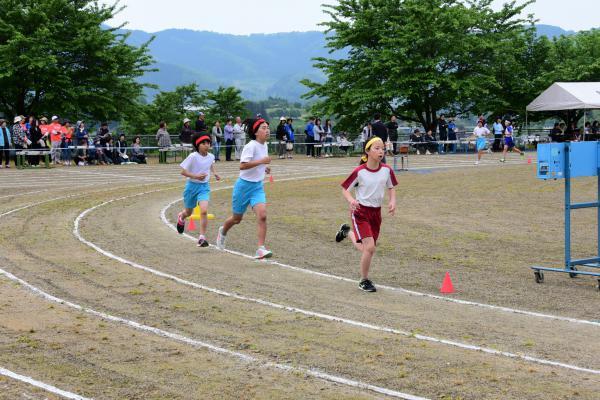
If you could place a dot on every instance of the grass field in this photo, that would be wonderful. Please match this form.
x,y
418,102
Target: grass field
x,y
139,312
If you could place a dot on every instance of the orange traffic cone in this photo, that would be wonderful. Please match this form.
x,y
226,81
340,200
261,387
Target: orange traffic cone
x,y
271,179
191,225
447,287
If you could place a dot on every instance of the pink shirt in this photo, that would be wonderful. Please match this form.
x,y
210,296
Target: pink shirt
x,y
370,184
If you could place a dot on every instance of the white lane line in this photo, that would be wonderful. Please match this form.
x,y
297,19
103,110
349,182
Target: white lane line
x,y
41,385
197,343
392,288
327,317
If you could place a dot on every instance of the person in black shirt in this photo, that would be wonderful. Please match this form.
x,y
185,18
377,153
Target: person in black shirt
x,y
432,146
418,139
200,124
379,129
443,130
186,132
392,127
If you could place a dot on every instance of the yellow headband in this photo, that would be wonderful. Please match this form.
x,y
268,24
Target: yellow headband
x,y
369,144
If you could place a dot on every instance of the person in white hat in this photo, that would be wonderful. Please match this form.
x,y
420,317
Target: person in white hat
x,y
185,137
281,136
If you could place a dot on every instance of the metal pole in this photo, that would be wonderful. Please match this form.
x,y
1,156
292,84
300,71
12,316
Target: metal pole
x,y
567,208
584,115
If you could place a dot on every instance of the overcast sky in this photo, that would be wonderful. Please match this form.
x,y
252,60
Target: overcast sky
x,y
242,17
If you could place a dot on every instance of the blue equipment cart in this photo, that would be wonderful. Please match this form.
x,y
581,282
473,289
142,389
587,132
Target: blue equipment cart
x,y
566,161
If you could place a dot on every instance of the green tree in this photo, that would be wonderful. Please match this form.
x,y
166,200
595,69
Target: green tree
x,y
519,74
225,102
173,107
573,58
411,58
58,58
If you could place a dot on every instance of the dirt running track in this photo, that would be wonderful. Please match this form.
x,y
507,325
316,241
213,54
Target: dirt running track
x,y
96,358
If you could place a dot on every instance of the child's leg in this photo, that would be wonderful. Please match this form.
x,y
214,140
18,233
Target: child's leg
x,y
231,221
260,210
357,245
515,148
204,217
186,212
368,250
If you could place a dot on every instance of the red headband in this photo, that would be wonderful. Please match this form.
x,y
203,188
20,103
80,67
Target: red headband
x,y
202,139
257,124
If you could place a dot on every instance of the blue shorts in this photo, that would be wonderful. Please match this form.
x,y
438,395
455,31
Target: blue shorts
x,y
195,192
481,143
247,193
508,141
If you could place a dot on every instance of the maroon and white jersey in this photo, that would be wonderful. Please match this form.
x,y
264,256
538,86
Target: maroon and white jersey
x,y
370,184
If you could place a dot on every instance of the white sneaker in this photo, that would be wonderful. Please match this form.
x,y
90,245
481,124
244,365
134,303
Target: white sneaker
x,y
476,162
502,160
427,153
220,243
262,252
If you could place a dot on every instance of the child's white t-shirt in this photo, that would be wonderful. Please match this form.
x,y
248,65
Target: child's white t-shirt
x,y
480,132
254,151
370,184
196,163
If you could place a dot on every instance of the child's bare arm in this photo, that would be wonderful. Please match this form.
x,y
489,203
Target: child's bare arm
x,y
351,200
392,203
190,175
213,170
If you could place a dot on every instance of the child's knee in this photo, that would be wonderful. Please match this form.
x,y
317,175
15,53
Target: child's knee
x,y
262,216
236,219
369,246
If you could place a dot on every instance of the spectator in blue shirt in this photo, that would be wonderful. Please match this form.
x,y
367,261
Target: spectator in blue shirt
x,y
310,137
289,129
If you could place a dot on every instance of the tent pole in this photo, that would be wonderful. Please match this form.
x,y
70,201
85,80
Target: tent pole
x,y
584,113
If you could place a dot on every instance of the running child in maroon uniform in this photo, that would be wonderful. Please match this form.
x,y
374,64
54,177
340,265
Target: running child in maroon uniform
x,y
370,181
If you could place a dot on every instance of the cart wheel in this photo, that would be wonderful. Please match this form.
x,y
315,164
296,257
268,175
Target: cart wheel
x,y
571,274
539,276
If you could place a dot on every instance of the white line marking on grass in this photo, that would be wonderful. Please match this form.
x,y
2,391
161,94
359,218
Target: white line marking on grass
x,y
197,343
327,317
392,288
41,385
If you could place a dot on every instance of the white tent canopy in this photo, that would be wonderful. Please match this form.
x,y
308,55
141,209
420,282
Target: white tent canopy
x,y
568,96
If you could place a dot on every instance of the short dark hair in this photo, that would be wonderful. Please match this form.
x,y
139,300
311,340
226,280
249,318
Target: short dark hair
x,y
253,129
197,136
377,116
162,124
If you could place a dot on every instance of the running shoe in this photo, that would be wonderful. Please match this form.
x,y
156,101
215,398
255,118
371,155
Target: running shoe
x,y
502,160
220,239
366,285
342,233
202,242
262,252
476,162
180,224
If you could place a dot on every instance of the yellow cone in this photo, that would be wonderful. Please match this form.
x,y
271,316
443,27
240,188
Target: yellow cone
x,y
197,216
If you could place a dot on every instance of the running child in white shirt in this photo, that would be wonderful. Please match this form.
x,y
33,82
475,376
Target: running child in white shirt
x,y
248,189
197,167
370,181
480,132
